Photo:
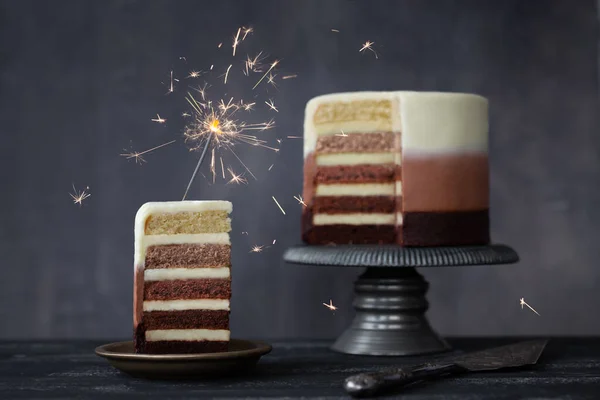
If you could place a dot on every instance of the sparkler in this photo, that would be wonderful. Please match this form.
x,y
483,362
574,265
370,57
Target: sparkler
x,y
278,205
522,302
138,156
368,46
159,119
330,305
79,197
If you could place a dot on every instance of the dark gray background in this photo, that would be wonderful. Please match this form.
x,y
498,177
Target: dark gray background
x,y
80,81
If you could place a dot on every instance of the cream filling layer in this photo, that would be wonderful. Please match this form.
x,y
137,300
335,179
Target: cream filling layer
x,y
142,242
188,335
179,305
398,188
170,274
354,219
355,159
399,219
355,189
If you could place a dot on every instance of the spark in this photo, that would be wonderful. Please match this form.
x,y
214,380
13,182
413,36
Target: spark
x,y
183,58
212,164
227,73
236,41
256,249
245,233
271,167
300,200
335,30
342,134
278,141
185,114
266,73
274,241
271,105
194,74
79,197
211,66
252,64
138,156
271,79
246,32
294,137
159,119
278,205
522,302
222,167
236,178
368,46
219,46
289,76
330,305
171,84
248,107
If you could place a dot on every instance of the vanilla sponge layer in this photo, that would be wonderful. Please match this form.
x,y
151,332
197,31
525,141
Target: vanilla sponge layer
x,y
429,122
170,274
355,219
179,305
188,335
210,221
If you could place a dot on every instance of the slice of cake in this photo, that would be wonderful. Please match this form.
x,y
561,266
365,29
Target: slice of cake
x,y
182,281
409,168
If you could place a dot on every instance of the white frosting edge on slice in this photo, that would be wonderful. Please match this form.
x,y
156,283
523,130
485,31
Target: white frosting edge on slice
x,y
171,274
355,189
188,335
355,219
355,158
179,305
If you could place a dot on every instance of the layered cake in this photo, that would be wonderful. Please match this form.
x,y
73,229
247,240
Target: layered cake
x,y
182,283
407,168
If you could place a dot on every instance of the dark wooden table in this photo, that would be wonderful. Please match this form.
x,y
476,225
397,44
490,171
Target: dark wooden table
x,y
568,369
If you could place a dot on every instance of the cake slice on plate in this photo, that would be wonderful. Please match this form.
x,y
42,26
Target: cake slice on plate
x,y
182,281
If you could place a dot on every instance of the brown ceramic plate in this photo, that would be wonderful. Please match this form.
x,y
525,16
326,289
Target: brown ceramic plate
x,y
241,356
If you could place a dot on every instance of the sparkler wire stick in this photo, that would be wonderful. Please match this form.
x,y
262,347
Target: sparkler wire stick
x,y
208,140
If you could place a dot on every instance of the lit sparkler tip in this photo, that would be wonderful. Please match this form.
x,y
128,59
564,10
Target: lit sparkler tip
x,y
159,120
278,205
368,45
78,197
300,200
330,305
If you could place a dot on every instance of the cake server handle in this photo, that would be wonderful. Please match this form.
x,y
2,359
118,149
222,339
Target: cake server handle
x,y
371,384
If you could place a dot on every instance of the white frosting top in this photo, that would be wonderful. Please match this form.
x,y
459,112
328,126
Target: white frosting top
x,y
142,241
428,121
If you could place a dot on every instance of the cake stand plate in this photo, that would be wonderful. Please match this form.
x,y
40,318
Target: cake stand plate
x,y
241,357
390,296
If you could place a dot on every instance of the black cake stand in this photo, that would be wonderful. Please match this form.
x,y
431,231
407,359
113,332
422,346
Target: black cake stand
x,y
390,300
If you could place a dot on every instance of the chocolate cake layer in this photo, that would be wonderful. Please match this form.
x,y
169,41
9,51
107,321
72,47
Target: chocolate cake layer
x,y
356,174
353,204
188,256
446,228
310,170
186,319
345,234
187,289
177,347
356,142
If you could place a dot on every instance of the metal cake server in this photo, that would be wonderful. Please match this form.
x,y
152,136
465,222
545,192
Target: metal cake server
x,y
510,356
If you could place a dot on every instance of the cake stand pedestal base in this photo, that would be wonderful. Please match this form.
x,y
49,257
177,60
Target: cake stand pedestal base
x,y
390,318
390,300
